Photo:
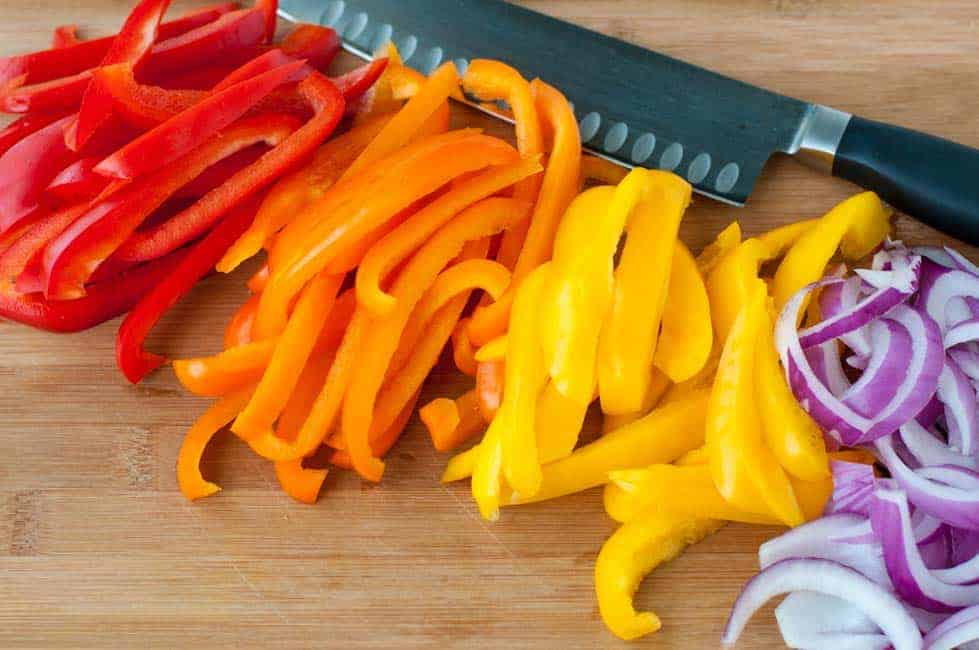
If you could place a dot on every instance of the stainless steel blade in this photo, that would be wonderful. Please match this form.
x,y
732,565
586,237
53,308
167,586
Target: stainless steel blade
x,y
634,106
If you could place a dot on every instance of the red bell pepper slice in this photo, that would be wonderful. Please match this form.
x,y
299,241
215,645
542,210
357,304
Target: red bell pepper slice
x,y
20,264
23,127
316,44
196,79
78,182
328,107
274,58
229,40
134,362
187,130
70,259
355,83
65,36
132,44
28,167
103,301
219,173
142,106
47,65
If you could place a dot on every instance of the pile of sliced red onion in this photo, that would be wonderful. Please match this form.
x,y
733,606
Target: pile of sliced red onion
x,y
894,562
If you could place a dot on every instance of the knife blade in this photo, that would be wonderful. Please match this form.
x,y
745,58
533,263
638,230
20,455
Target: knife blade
x,y
639,107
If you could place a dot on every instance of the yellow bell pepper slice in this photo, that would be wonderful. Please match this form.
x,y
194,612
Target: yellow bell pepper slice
x,y
744,470
687,336
731,282
658,385
792,436
778,240
651,205
579,292
681,491
713,252
495,350
660,437
855,226
509,448
559,422
632,552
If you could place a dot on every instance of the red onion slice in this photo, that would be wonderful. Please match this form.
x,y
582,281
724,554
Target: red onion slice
x,y
886,367
955,631
959,398
853,488
963,332
816,621
939,285
825,362
936,254
961,262
930,414
891,289
917,585
831,579
951,504
929,451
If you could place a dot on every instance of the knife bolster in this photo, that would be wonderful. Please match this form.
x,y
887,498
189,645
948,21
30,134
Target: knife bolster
x,y
819,136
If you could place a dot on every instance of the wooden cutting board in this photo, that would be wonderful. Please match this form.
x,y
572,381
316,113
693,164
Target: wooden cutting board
x,y
99,549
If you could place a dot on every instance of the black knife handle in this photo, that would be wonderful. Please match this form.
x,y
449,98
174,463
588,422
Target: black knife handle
x,y
933,180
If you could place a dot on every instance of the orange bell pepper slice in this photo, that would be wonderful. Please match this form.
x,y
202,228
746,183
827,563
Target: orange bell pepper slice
x,y
302,250
463,352
451,422
383,444
256,283
396,246
481,220
227,371
301,483
489,387
557,190
406,123
189,478
239,329
297,190
493,80
604,171
290,356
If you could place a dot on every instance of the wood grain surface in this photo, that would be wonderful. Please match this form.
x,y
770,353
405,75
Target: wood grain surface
x,y
99,549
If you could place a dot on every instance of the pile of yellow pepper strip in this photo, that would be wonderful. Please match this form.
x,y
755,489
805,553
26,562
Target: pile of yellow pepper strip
x,y
701,426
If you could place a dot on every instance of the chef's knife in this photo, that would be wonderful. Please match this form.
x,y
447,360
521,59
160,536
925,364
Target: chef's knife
x,y
638,107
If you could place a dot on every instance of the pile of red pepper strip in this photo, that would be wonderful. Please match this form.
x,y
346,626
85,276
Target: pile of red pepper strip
x,y
138,159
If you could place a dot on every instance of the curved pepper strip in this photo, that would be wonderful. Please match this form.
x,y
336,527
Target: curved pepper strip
x,y
134,362
189,478
291,354
25,126
717,249
791,435
580,293
778,240
480,220
395,247
293,192
493,80
24,253
226,371
380,98
686,337
403,126
557,189
463,353
132,44
65,36
855,226
558,424
327,104
658,385
256,283
744,470
301,483
301,251
632,552
316,44
452,422
70,258
732,281
383,443
495,350
184,132
355,83
651,204
239,329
